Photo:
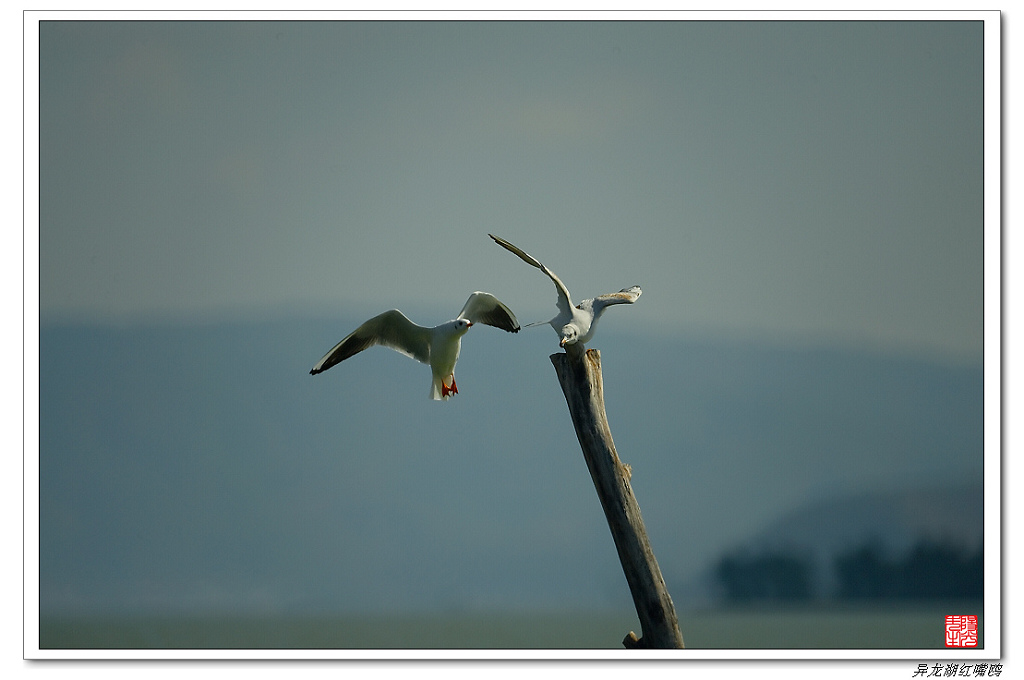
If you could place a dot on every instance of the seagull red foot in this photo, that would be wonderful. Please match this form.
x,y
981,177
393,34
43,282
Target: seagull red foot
x,y
445,390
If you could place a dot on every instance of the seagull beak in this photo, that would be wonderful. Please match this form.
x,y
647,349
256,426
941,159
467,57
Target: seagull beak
x,y
561,343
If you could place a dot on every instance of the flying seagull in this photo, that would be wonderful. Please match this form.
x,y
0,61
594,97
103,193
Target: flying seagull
x,y
574,324
438,346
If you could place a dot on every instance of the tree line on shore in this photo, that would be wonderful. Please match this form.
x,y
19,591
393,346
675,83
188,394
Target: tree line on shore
x,y
927,571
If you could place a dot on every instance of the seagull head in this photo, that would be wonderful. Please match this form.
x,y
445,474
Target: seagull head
x,y
570,334
461,326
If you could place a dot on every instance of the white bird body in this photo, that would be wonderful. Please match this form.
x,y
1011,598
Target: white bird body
x,y
575,325
445,345
438,346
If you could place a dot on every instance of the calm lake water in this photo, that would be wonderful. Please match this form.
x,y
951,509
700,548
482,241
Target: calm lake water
x,y
919,627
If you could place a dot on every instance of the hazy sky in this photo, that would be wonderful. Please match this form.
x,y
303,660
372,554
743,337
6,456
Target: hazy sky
x,y
784,179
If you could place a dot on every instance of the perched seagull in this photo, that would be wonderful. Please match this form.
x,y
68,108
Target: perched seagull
x,y
574,325
438,346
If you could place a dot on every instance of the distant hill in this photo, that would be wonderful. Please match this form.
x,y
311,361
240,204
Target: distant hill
x,y
889,524
896,519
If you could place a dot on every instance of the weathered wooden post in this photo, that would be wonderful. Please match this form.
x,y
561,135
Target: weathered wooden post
x,y
580,377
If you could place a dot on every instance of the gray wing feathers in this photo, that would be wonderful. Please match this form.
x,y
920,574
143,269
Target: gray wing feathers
x,y
624,296
564,299
526,257
486,309
390,329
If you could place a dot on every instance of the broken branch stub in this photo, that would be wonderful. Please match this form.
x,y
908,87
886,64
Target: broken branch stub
x,y
580,377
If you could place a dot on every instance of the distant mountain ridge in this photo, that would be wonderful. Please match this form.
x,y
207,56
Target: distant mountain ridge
x,y
201,466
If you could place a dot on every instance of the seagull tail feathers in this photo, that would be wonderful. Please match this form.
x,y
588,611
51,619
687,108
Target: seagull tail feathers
x,y
435,390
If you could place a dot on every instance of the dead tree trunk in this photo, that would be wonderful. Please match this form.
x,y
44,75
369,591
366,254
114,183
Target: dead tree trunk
x,y
580,377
